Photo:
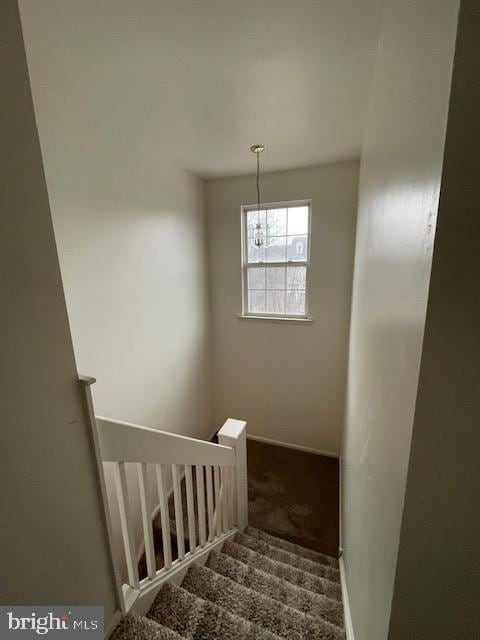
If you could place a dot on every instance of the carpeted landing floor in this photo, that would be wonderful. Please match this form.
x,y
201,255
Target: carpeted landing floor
x,y
291,494
294,495
258,587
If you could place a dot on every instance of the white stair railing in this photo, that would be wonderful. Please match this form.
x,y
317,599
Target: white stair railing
x,y
209,486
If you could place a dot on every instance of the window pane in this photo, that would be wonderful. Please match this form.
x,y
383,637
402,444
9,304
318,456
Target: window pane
x,y
276,249
276,302
254,253
282,232
297,221
275,278
296,302
296,277
277,222
256,302
297,248
256,278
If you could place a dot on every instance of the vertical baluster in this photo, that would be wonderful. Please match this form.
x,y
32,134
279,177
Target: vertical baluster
x,y
224,498
233,493
208,476
126,523
190,509
218,506
201,504
146,519
229,497
164,516
177,497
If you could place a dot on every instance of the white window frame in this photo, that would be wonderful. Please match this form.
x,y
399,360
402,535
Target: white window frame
x,y
246,264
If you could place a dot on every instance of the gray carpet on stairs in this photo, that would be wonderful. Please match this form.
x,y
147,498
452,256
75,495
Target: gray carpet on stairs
x,y
260,609
275,553
257,588
284,571
315,604
198,619
141,628
309,554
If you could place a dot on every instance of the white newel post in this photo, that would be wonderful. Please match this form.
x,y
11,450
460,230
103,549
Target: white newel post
x,y
234,434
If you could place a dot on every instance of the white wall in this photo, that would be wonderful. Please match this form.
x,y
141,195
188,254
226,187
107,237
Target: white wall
x,y
437,589
399,189
135,278
134,271
130,229
129,225
53,542
287,380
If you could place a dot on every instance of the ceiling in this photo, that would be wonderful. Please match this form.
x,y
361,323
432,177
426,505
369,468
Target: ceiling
x,y
199,81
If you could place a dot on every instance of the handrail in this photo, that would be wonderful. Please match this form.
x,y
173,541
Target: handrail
x,y
126,442
154,465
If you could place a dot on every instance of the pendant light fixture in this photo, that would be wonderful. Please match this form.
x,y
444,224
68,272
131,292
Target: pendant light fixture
x,y
257,234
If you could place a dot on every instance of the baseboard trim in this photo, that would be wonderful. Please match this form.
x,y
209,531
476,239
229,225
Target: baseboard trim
x,y
290,445
340,504
347,616
117,616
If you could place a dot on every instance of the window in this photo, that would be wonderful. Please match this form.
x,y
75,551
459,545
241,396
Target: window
x,y
276,260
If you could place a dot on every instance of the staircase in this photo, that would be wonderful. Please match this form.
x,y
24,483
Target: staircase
x,y
236,581
258,586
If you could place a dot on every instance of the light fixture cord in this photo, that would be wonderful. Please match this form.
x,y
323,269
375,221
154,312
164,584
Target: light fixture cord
x,y
258,182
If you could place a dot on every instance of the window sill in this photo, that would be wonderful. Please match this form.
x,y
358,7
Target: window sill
x,y
277,319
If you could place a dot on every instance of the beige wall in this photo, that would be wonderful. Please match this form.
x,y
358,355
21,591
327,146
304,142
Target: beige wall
x,y
52,539
287,380
437,589
399,190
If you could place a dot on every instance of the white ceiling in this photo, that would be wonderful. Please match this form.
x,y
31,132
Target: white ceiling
x,y
202,80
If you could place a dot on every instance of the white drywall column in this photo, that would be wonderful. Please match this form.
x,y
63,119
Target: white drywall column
x,y
400,177
53,541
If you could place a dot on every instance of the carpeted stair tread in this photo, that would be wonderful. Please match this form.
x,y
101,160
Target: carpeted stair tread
x,y
140,628
282,570
276,553
197,619
314,604
260,609
310,554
